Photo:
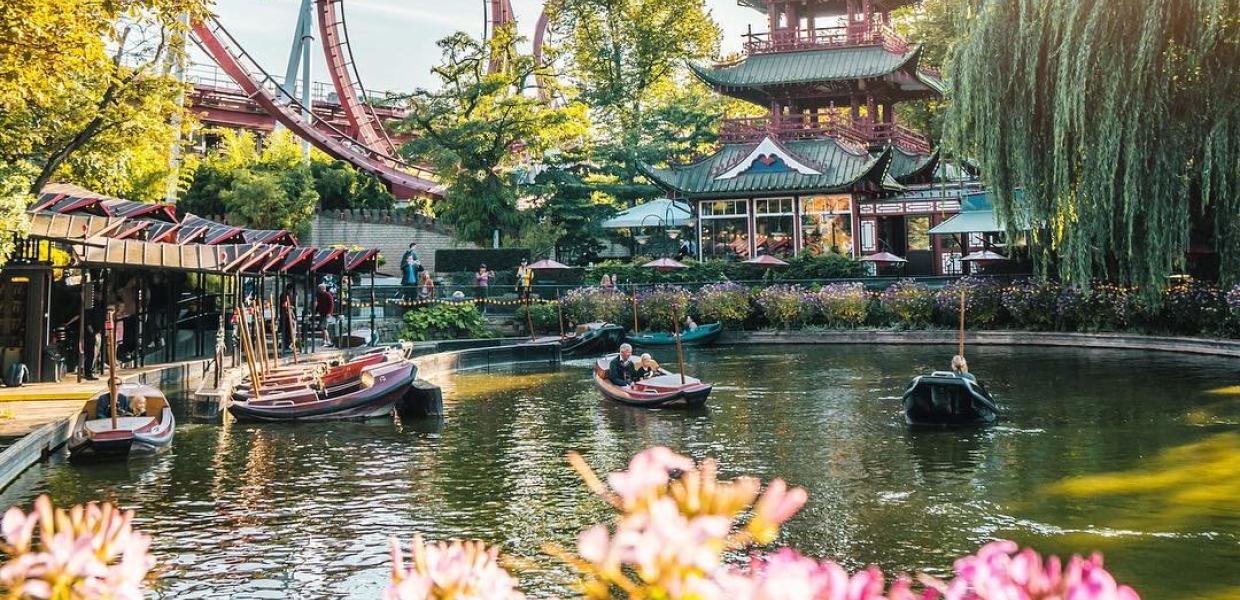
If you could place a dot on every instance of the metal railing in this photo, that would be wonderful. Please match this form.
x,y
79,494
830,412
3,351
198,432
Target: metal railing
x,y
820,125
855,34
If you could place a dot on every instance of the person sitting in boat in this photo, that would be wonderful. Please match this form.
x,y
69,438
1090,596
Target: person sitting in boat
x,y
647,368
621,371
961,368
690,323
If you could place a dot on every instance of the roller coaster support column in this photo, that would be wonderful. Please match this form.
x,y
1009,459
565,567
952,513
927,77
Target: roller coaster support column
x,y
299,56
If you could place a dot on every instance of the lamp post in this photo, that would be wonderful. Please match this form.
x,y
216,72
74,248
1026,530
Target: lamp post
x,y
667,222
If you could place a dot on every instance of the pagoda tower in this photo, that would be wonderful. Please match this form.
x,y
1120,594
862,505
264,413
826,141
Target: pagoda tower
x,y
827,168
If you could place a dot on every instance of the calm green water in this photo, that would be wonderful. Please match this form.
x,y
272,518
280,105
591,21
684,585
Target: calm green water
x,y
1125,452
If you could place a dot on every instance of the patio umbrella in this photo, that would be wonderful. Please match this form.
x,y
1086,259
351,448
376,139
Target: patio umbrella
x,y
983,256
666,264
766,261
547,264
883,257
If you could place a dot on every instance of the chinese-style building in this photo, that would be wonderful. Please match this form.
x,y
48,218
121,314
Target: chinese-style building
x,y
828,167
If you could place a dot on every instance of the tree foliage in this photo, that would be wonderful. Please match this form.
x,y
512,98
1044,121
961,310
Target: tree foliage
x,y
85,92
267,188
478,127
1119,119
622,55
937,26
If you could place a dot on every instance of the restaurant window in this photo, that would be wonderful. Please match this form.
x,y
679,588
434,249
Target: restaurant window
x,y
725,230
918,233
773,221
826,224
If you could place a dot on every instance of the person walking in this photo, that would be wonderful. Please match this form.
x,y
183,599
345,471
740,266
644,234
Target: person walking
x,y
324,306
94,325
482,281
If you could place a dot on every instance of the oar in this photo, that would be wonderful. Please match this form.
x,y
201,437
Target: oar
x,y
635,327
680,351
275,342
259,338
109,335
292,331
559,312
243,331
961,322
529,318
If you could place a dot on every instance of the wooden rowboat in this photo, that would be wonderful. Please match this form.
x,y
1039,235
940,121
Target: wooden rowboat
x,y
330,380
377,390
666,390
698,336
945,398
144,425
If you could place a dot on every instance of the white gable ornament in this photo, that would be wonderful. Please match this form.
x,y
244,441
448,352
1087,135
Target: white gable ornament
x,y
768,149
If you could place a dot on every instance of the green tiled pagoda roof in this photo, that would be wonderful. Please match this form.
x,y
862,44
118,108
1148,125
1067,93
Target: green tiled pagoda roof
x,y
910,168
808,66
840,169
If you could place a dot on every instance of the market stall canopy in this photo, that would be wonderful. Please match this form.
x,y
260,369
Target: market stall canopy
x,y
106,252
656,213
71,227
977,215
766,260
66,198
547,264
882,257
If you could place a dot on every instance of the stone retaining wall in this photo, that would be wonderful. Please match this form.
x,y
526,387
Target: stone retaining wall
x,y
1211,347
390,232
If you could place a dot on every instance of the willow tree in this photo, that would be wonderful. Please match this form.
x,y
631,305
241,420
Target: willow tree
x,y
1118,119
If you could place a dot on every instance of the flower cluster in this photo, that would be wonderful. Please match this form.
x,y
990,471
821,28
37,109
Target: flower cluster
x,y
839,305
983,301
783,305
587,304
660,305
726,303
676,521
909,302
88,551
1194,307
1000,570
457,570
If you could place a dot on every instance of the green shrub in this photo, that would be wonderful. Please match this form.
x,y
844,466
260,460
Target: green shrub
x,y
544,317
782,305
443,320
453,260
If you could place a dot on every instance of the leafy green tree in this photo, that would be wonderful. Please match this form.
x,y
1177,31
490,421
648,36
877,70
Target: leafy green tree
x,y
85,92
14,197
1120,122
572,210
477,127
937,26
340,186
271,188
621,53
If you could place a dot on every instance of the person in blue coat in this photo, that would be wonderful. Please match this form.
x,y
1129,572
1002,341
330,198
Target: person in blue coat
x,y
410,264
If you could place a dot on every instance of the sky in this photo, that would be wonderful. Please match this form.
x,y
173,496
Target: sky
x,y
394,40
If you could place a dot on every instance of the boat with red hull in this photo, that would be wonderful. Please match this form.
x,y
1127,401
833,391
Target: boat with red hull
x,y
332,380
144,425
667,390
376,392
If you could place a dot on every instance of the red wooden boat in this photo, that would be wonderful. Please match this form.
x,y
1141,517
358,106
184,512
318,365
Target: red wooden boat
x,y
143,425
331,380
375,394
666,390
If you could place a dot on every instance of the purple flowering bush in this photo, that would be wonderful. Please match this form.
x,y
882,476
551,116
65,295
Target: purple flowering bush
x,y
983,302
1032,303
783,305
838,305
660,305
908,303
1195,307
588,304
726,303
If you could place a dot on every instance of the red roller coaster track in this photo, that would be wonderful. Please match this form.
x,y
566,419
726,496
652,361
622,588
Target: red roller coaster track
x,y
345,78
404,182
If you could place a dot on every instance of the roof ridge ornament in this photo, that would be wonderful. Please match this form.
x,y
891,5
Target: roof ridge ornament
x,y
767,149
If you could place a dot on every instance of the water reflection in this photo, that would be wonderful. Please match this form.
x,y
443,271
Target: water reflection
x,y
1093,452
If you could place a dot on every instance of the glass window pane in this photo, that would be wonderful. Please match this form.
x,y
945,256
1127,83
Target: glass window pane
x,y
826,233
725,239
774,235
918,233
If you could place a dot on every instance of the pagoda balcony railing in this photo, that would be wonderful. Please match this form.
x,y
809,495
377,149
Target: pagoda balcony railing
x,y
856,34
807,127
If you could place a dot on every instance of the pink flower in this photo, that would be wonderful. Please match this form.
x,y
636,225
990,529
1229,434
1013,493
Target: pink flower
x,y
1000,572
459,570
776,505
649,470
787,575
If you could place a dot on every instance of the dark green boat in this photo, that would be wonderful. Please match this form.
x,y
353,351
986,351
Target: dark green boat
x,y
698,336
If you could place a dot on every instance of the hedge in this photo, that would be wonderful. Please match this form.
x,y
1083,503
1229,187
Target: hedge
x,y
452,260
